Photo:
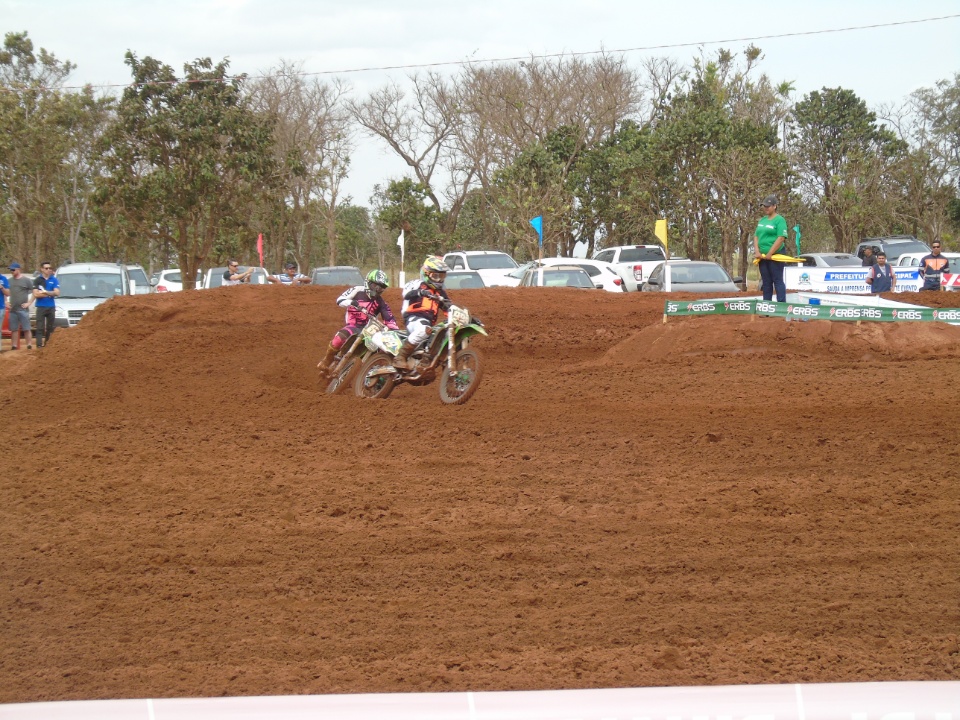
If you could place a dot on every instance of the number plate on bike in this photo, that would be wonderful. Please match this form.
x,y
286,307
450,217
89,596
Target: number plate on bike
x,y
459,316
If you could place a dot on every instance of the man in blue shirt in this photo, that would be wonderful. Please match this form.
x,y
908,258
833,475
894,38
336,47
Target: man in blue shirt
x,y
5,289
45,289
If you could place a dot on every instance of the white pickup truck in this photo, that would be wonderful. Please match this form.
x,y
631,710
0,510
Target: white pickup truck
x,y
639,261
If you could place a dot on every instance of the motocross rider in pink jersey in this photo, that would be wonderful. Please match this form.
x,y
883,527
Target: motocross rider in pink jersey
x,y
368,297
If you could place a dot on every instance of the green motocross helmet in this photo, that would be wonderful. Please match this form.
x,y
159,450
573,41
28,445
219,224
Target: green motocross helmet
x,y
376,282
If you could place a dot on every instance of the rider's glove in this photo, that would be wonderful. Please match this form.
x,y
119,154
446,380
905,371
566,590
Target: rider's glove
x,y
445,304
354,303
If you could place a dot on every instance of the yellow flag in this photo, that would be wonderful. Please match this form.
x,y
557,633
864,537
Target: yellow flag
x,y
660,230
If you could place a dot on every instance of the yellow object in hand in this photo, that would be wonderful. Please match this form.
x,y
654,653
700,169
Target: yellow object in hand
x,y
779,258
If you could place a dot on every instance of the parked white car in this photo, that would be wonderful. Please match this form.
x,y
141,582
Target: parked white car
x,y
835,259
605,276
913,259
692,276
213,278
492,265
172,280
639,261
557,276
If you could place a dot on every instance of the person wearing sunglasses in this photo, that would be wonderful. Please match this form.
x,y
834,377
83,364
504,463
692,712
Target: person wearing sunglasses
x,y
46,288
233,276
932,267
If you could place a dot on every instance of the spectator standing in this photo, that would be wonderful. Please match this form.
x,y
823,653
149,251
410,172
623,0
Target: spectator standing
x,y
290,276
932,267
5,289
869,257
21,297
233,276
880,277
45,289
769,240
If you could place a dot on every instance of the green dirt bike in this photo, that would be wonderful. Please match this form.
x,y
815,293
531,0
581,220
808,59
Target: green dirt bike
x,y
345,364
445,353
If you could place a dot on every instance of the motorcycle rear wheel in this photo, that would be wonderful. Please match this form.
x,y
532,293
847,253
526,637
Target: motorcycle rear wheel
x,y
344,377
456,389
377,387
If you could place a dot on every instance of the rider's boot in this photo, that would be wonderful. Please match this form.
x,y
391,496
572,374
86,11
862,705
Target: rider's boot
x,y
402,360
324,364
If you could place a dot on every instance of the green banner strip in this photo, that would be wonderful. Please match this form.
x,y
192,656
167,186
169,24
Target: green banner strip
x,y
798,311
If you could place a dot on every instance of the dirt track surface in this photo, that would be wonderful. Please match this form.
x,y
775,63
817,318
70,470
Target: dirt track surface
x,y
622,503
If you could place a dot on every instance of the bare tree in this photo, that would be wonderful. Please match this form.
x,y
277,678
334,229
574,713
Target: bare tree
x,y
312,148
420,126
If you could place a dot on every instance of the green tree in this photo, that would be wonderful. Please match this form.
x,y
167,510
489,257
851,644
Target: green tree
x,y
42,152
187,158
405,205
843,157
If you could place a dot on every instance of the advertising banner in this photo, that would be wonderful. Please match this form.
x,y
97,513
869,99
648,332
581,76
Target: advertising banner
x,y
850,280
799,311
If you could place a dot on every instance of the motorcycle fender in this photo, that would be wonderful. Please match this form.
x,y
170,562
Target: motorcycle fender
x,y
463,334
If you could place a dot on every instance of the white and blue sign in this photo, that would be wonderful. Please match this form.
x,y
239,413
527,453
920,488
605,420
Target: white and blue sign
x,y
847,280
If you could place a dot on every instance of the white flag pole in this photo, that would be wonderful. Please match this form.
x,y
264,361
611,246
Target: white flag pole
x,y
403,275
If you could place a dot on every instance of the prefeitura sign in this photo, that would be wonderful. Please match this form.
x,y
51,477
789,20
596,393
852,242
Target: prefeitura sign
x,y
851,280
801,311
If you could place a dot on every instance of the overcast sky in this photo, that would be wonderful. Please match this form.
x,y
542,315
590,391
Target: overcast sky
x,y
882,65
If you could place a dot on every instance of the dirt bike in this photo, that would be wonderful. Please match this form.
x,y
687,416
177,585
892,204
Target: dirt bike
x,y
445,352
352,354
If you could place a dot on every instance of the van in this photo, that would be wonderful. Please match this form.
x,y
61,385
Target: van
x,y
83,286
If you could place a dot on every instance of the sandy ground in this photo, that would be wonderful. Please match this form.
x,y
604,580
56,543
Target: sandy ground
x,y
622,503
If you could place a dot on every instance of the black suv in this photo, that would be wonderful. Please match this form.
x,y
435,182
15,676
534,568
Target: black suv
x,y
893,246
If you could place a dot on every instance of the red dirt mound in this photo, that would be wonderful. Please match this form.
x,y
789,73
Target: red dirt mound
x,y
622,503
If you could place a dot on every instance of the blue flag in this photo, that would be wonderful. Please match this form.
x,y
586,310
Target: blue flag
x,y
537,223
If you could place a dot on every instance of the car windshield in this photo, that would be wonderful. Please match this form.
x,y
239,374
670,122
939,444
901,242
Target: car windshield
x,y
139,278
591,270
90,285
337,276
177,277
566,278
698,274
494,261
521,271
463,281
641,254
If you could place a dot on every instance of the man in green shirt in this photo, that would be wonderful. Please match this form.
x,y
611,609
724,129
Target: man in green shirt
x,y
769,240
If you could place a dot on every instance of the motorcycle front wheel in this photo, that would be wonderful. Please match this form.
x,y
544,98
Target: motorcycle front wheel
x,y
379,386
343,377
458,387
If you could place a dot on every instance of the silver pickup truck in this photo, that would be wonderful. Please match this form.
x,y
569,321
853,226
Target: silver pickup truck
x,y
639,261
